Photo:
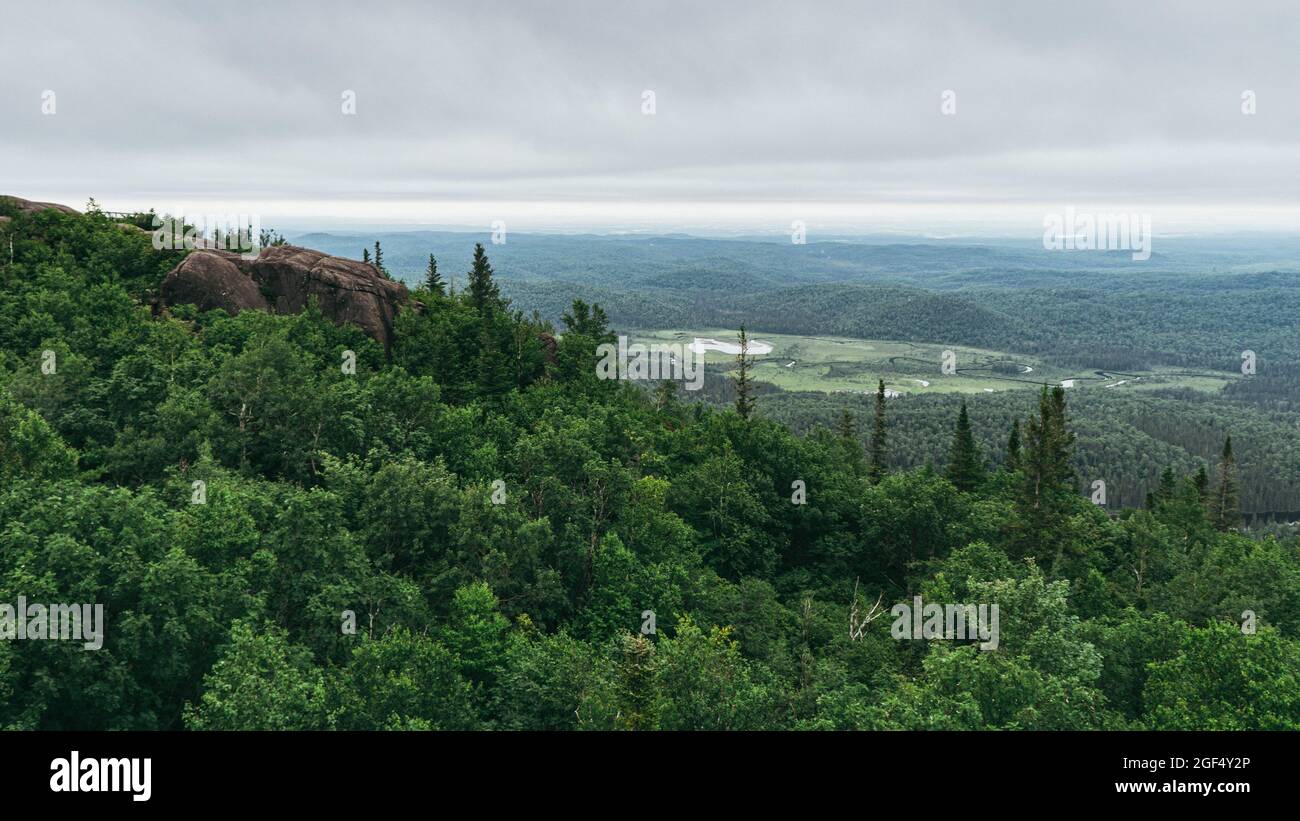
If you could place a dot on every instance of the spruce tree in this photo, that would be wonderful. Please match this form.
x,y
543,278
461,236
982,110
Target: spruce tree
x,y
1201,481
965,465
1047,480
848,431
847,425
878,452
1013,447
1225,512
589,321
1048,450
365,255
744,384
379,259
1168,484
483,292
494,367
432,280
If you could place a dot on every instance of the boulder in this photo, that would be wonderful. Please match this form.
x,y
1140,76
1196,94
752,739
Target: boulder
x,y
282,279
213,279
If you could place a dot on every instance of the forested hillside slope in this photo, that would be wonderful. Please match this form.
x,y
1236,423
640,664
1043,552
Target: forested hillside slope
x,y
475,531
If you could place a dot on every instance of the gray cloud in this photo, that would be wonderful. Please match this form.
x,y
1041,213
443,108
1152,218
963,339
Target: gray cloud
x,y
760,103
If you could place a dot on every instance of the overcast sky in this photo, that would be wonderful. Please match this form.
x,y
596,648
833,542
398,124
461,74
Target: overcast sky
x,y
532,112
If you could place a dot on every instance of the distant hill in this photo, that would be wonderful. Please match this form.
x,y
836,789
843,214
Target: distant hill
x,y
1196,302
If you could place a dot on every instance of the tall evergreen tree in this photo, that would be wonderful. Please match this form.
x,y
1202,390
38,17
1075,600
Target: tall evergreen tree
x,y
1047,479
1013,447
1225,511
1048,450
588,320
1168,485
379,259
494,367
483,292
848,431
1201,481
965,465
432,279
365,255
847,425
744,384
878,452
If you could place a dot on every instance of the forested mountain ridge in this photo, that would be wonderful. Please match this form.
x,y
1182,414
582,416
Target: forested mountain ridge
x,y
1195,302
497,522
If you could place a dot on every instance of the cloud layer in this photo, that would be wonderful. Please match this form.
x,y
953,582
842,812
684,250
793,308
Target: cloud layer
x,y
765,109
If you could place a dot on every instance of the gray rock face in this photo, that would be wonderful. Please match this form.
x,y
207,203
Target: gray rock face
x,y
282,279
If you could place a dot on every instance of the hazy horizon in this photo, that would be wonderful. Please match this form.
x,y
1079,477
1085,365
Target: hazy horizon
x,y
852,118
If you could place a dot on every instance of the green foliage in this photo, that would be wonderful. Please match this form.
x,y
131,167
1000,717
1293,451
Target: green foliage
x,y
1224,680
433,280
483,292
401,682
879,453
965,465
261,682
468,535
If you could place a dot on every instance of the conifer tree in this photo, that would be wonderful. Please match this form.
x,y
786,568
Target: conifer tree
x,y
847,425
365,255
744,385
494,375
432,279
1047,480
878,452
588,320
848,432
379,259
483,292
1168,485
1225,512
1013,447
1201,481
965,465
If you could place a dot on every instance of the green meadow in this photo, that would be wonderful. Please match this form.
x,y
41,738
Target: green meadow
x,y
830,364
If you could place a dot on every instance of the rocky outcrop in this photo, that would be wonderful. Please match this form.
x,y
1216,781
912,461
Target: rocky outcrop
x,y
30,207
214,279
283,279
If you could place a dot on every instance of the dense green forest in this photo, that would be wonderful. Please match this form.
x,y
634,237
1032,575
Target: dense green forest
x,y
1127,440
522,545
